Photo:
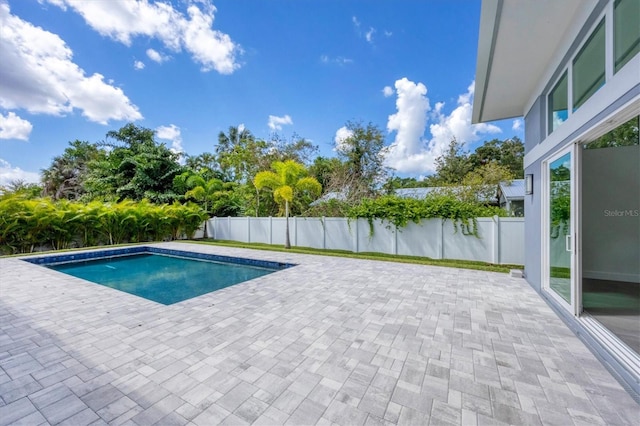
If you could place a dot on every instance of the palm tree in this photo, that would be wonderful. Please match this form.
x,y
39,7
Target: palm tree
x,y
287,180
203,190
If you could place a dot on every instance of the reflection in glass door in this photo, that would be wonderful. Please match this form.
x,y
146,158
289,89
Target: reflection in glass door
x,y
560,235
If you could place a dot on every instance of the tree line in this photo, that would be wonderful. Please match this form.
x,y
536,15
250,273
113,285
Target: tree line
x,y
108,184
131,165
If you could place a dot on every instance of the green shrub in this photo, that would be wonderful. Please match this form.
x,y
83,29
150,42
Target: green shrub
x,y
399,211
26,224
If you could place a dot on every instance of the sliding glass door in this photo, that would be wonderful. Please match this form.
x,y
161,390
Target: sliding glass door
x,y
559,234
610,231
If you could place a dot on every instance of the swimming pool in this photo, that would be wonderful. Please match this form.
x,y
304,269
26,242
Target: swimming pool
x,y
163,276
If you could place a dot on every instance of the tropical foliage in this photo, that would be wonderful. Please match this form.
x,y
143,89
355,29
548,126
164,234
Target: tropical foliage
x,y
288,182
29,224
135,167
361,170
66,176
400,211
131,188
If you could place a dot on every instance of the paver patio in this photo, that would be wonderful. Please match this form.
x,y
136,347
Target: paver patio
x,y
331,340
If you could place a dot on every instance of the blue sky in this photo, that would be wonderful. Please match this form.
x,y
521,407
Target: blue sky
x,y
75,69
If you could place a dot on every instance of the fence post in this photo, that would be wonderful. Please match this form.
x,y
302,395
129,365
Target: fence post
x,y
270,230
441,239
394,242
496,240
295,231
215,223
356,248
229,227
323,222
248,229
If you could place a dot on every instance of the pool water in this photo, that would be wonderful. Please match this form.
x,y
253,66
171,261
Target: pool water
x,y
160,278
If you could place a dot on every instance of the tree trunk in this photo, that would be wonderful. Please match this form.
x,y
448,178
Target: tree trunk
x,y
287,241
257,201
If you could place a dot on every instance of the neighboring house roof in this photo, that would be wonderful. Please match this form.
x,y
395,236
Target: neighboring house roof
x,y
420,193
514,190
514,53
417,193
335,195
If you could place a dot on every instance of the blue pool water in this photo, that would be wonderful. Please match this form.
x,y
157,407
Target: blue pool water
x,y
159,277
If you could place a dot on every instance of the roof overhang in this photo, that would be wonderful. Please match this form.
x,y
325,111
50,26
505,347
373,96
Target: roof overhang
x,y
517,41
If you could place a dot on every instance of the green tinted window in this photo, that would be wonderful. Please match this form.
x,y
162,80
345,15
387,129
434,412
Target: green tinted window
x,y
626,31
589,67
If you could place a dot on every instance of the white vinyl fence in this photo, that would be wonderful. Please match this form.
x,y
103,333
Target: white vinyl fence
x,y
500,240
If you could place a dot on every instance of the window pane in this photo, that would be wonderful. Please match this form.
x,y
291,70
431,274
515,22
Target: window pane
x,y
558,100
626,31
588,67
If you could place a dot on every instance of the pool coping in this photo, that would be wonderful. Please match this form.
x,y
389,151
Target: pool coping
x,y
57,259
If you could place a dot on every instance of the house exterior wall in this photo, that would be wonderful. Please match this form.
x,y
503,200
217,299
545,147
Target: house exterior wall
x,y
533,205
618,91
534,124
621,91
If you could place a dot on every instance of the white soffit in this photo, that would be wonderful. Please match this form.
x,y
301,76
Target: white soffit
x,y
516,43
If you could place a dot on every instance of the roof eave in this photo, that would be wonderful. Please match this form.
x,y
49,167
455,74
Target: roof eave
x,y
489,26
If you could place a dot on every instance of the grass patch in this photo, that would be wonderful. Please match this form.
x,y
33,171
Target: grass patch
x,y
450,263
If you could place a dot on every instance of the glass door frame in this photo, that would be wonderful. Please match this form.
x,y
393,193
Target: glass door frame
x,y
574,305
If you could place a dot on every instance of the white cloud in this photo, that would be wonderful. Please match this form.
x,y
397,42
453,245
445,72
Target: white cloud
x,y
411,152
369,34
517,125
276,123
139,65
340,60
156,56
342,134
10,174
37,74
171,133
14,127
387,33
123,20
407,153
387,91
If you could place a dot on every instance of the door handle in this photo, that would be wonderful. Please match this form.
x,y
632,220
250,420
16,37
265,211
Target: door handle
x,y
567,243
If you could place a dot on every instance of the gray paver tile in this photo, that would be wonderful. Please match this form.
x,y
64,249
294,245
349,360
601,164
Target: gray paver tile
x,y
342,413
288,401
115,409
510,415
215,414
50,395
233,420
63,409
409,416
84,417
251,409
307,413
16,410
442,413
31,420
102,397
394,344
